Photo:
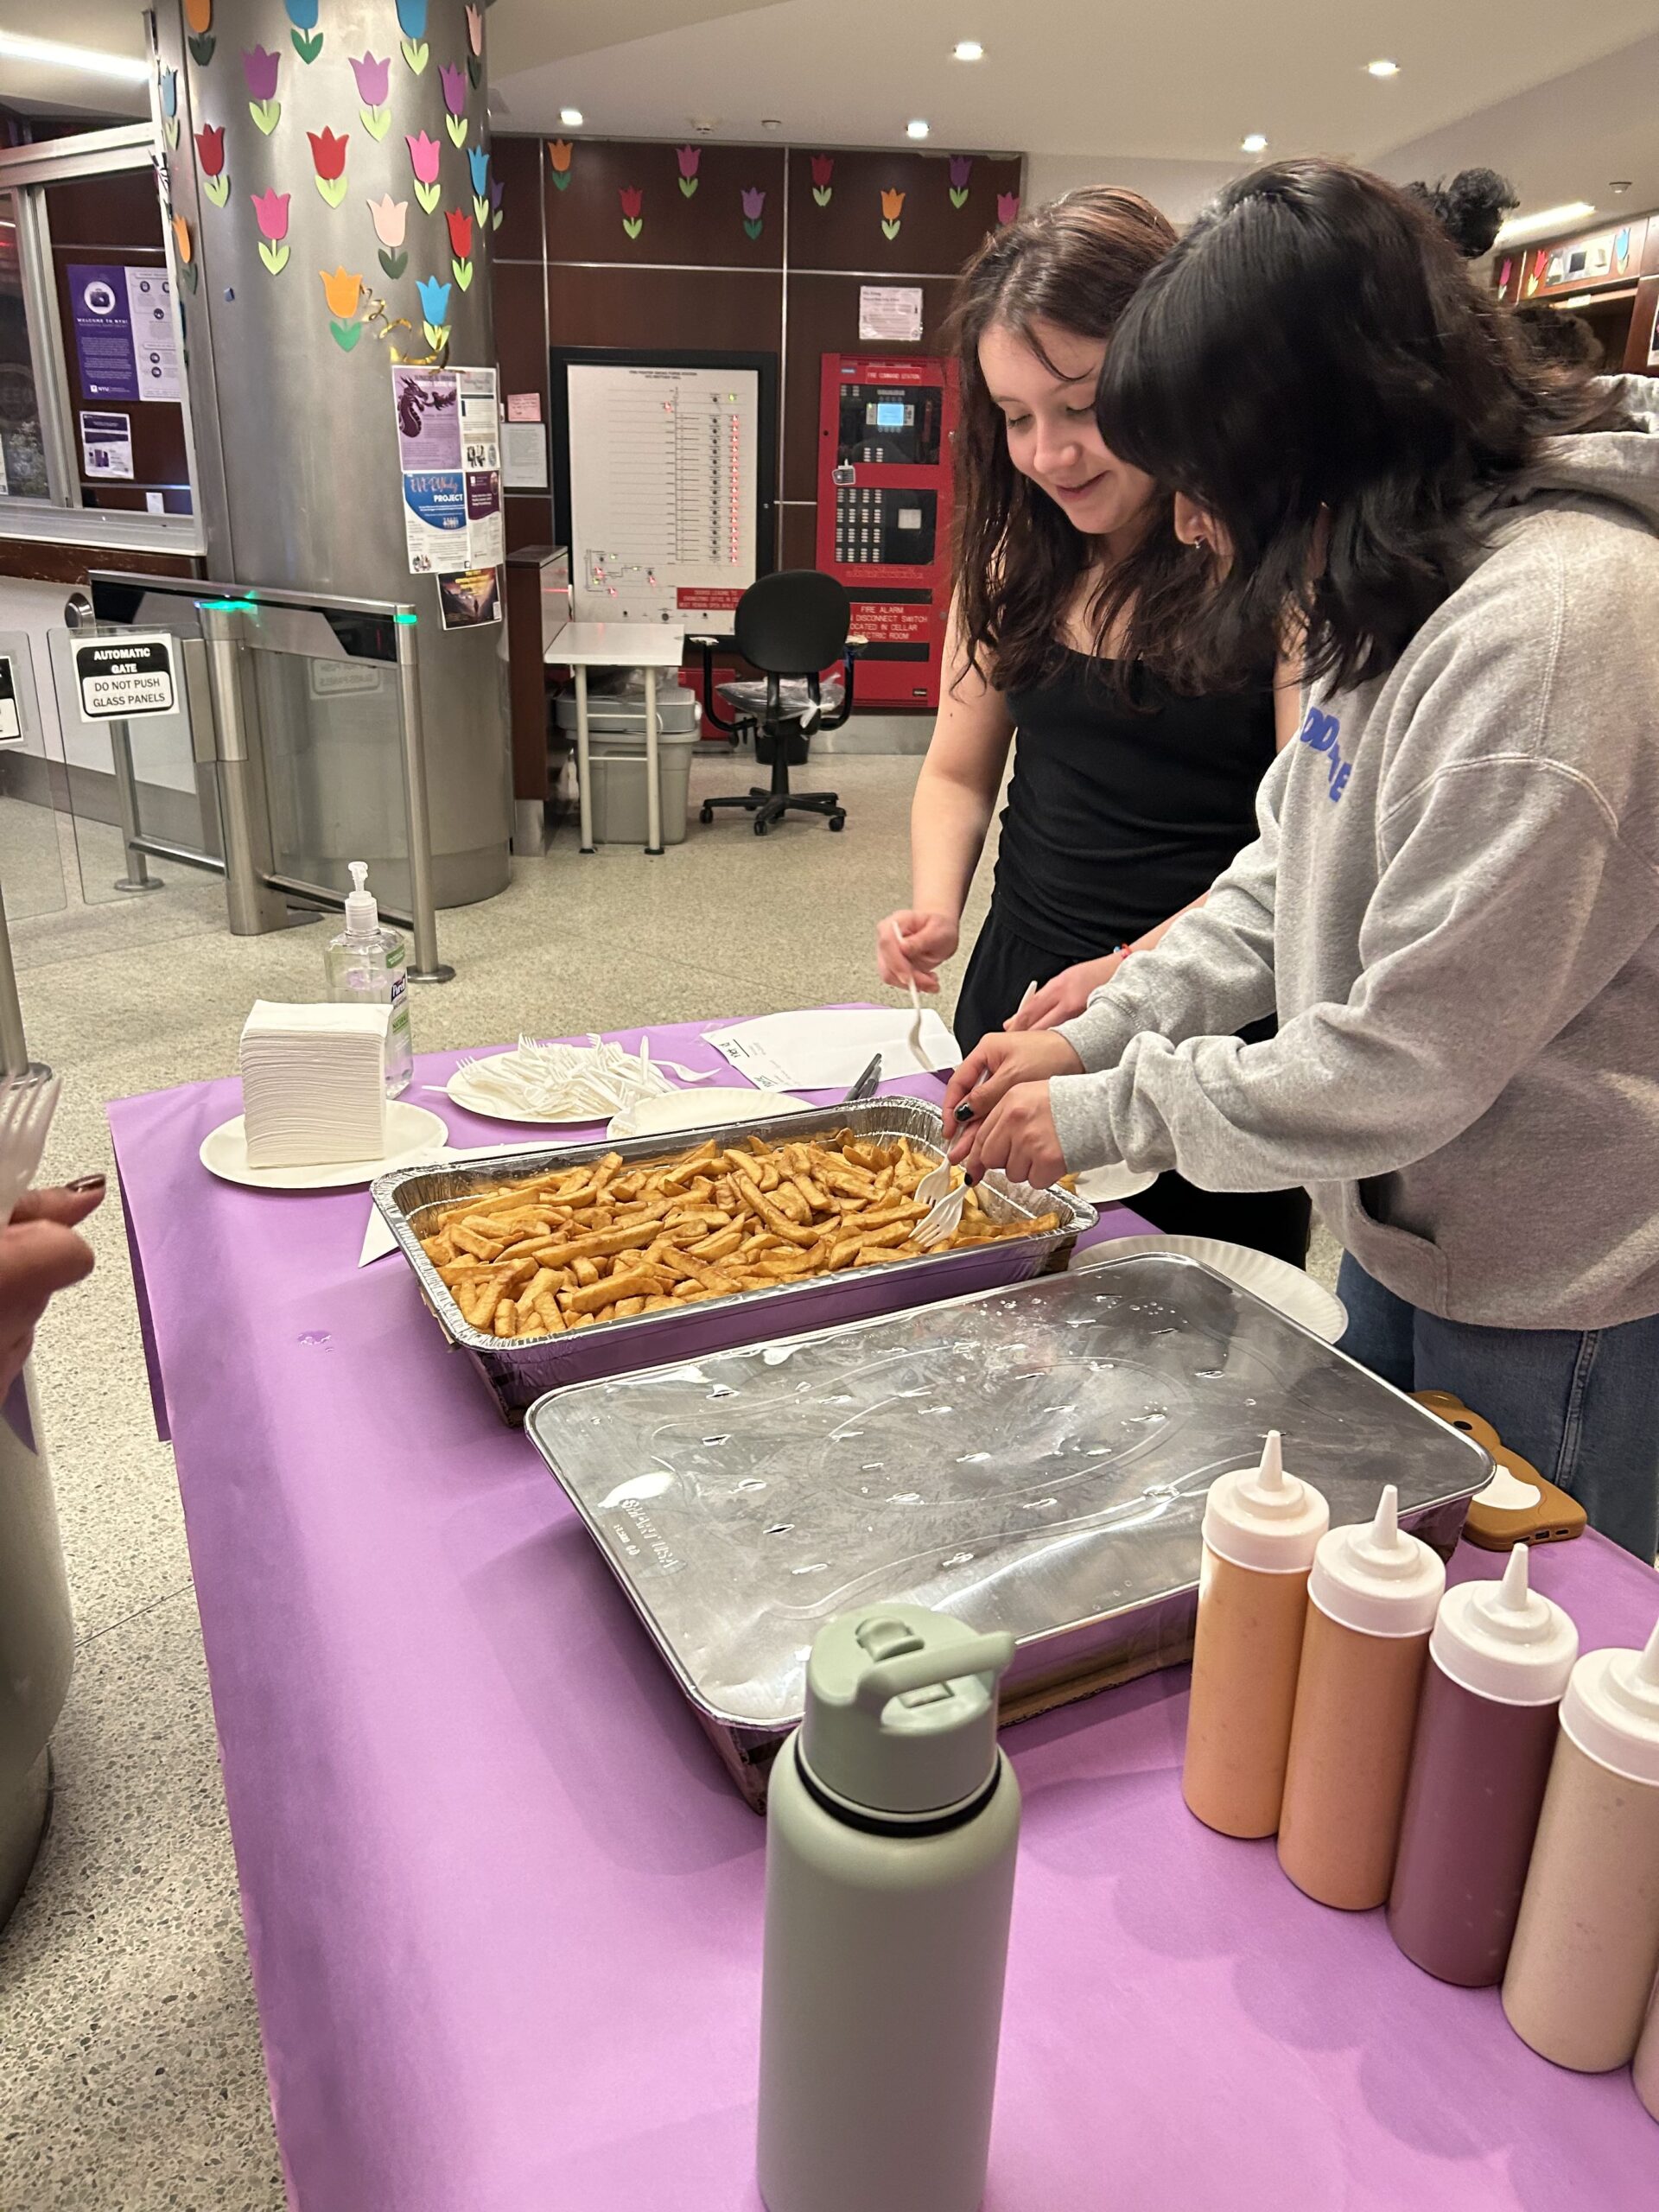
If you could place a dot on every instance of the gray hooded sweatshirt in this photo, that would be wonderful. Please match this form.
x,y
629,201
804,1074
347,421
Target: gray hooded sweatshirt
x,y
1452,906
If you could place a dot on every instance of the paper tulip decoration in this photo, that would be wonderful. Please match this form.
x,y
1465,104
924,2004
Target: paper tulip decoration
x,y
435,307
475,44
260,69
497,194
559,151
271,211
307,39
373,90
1008,206
185,251
961,169
461,246
210,160
823,175
754,202
328,160
198,16
478,163
632,201
454,98
423,160
688,157
412,22
893,207
342,291
167,84
390,216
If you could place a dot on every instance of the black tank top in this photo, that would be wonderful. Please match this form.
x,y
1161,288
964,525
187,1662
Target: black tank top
x,y
1120,814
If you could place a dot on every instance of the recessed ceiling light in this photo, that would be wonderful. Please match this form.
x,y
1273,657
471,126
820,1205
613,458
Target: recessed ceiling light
x,y
967,49
570,118
1382,68
916,128
1547,219
54,56
1256,144
1618,186
771,123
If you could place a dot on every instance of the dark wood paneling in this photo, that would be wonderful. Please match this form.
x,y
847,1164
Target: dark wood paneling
x,y
798,537
70,565
527,520
823,319
718,310
526,679
1643,333
518,162
520,330
584,220
932,234
121,210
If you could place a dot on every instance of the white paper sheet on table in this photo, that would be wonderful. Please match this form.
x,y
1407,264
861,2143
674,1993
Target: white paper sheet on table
x,y
377,1239
822,1048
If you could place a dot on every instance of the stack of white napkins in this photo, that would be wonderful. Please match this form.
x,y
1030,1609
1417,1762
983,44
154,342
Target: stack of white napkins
x,y
314,1083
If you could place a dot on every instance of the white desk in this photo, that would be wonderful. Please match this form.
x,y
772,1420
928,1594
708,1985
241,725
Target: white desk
x,y
648,646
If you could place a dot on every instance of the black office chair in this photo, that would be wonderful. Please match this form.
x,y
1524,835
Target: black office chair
x,y
790,626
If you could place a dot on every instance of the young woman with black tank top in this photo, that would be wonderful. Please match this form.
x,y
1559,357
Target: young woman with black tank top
x,y
1127,800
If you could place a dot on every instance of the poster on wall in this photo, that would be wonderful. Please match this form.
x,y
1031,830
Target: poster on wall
x,y
449,458
106,445
126,338
471,600
890,312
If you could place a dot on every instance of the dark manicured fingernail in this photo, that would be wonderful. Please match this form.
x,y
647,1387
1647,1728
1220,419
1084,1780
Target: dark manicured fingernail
x,y
85,1183
971,1177
964,1112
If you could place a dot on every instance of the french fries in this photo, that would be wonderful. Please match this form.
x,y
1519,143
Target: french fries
x,y
602,1242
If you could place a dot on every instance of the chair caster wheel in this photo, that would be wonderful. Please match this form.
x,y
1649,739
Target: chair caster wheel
x,y
706,815
761,825
837,822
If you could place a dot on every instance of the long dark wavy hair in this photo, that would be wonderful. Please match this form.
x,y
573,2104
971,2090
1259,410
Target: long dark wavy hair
x,y
1075,264
1313,365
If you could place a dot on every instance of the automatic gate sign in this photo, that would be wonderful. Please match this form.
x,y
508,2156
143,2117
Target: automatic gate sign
x,y
119,678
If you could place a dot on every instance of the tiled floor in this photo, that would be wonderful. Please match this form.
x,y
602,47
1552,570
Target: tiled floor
x,y
131,2075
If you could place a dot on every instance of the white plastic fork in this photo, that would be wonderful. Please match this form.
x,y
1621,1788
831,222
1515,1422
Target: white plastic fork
x,y
944,1203
27,1104
914,1040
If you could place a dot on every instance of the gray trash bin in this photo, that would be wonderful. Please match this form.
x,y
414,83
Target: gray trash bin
x,y
616,742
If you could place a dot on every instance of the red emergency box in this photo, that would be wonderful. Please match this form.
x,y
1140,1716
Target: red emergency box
x,y
884,429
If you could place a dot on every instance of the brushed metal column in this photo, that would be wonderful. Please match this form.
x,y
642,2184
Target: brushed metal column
x,y
297,439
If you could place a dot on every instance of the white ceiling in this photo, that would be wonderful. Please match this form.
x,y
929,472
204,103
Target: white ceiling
x,y
1561,98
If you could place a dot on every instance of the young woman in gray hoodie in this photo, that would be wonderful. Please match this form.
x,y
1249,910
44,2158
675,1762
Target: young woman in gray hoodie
x,y
1452,904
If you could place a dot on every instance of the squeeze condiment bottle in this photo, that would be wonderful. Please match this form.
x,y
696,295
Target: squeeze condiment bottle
x,y
1498,1661
1260,1526
1586,1945
1644,2069
892,1820
1371,1601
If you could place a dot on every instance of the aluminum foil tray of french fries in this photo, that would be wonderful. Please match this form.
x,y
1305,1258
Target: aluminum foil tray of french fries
x,y
551,1266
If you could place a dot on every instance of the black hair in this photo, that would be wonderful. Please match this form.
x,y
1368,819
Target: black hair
x,y
1563,340
1311,366
1470,209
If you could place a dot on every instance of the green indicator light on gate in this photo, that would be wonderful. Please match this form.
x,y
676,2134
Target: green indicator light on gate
x,y
410,618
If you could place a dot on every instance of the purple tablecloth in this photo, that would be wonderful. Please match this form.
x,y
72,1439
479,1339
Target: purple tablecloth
x,y
503,1906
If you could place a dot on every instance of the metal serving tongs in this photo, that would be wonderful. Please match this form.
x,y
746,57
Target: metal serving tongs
x,y
867,1085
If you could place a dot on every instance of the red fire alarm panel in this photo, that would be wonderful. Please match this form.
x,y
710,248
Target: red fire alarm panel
x,y
885,431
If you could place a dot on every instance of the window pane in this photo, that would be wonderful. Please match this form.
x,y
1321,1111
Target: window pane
x,y
121,342
22,455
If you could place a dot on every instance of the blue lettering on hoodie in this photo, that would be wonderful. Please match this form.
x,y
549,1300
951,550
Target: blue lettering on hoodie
x,y
1320,733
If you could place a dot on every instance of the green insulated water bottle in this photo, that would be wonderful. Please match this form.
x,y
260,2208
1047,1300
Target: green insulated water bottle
x,y
891,1830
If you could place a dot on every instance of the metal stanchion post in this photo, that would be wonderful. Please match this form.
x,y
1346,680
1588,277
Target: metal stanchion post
x,y
427,968
14,1046
138,877
250,906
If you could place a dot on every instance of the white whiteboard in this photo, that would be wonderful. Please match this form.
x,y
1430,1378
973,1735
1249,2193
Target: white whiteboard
x,y
664,479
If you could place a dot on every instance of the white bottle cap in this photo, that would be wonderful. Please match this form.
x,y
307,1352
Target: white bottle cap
x,y
1374,1578
1263,1518
362,914
1503,1640
1611,1709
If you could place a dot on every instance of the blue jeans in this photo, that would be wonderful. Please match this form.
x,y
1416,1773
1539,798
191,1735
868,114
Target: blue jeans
x,y
1581,1404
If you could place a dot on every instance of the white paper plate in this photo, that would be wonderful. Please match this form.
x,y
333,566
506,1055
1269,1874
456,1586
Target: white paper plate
x,y
1110,1186
412,1133
465,1093
700,1109
1275,1281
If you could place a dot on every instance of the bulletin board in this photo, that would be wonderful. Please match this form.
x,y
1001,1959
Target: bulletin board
x,y
665,467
